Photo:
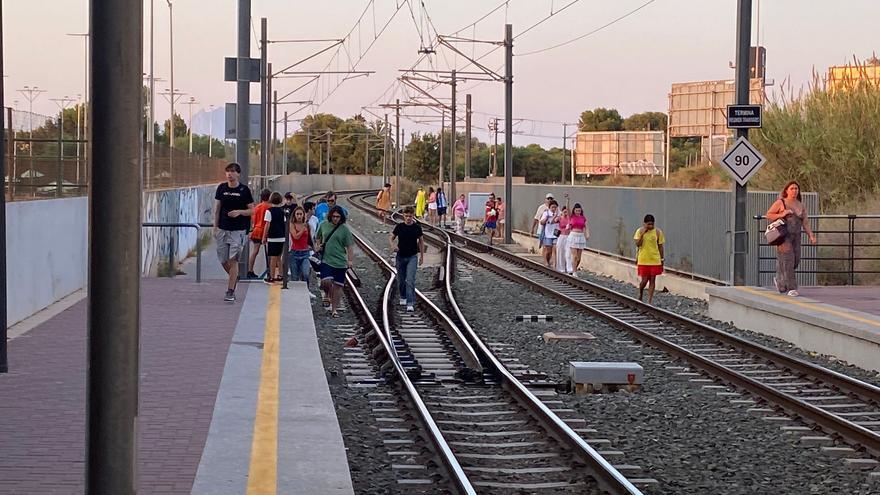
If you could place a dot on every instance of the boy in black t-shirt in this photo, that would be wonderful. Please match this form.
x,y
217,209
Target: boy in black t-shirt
x,y
410,245
233,204
273,237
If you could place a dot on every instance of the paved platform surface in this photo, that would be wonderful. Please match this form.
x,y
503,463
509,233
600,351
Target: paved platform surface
x,y
274,425
185,335
860,298
839,321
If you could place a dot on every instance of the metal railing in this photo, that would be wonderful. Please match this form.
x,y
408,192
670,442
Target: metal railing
x,y
171,259
847,251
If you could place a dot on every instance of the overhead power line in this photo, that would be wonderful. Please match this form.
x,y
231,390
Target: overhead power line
x,y
600,28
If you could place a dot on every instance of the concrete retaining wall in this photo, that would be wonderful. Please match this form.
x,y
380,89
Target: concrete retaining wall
x,y
626,272
47,243
308,184
46,250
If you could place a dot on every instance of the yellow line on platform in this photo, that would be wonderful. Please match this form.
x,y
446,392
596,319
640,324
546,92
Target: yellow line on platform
x,y
263,472
823,309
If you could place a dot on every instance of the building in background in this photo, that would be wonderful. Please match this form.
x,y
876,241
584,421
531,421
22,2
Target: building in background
x,y
618,153
847,76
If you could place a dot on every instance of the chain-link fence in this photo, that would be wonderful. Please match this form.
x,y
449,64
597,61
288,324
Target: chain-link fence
x,y
45,159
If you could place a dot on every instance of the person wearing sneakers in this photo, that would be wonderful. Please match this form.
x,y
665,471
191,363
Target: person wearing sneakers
x,y
273,237
410,250
300,248
650,241
257,228
789,208
233,204
334,244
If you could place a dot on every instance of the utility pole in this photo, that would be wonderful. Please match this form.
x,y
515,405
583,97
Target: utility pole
x,y
367,154
171,95
242,104
308,148
385,152
151,132
329,138
508,132
453,170
743,46
113,306
192,101
273,147
264,101
467,137
442,128
210,130
397,154
173,89
62,103
564,139
493,126
402,157
284,147
4,362
31,94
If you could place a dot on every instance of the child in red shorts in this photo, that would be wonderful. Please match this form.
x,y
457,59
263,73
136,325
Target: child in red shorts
x,y
649,241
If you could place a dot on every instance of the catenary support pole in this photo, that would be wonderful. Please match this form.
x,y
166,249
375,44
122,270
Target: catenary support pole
x,y
442,131
114,295
453,169
4,362
385,152
308,150
243,105
273,146
467,137
509,214
743,43
284,148
397,155
264,102
367,154
564,139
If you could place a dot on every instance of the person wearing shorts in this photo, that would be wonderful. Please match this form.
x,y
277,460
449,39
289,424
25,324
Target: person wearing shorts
x,y
334,242
550,228
432,206
649,241
490,217
233,204
257,227
442,205
273,237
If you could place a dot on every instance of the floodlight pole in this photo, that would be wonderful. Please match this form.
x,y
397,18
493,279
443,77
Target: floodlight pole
x,y
242,105
467,137
397,154
453,171
740,193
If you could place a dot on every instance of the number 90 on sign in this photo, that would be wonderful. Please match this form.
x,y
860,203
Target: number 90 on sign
x,y
741,160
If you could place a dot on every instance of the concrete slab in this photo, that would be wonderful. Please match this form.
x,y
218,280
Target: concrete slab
x,y
311,456
311,452
224,465
846,333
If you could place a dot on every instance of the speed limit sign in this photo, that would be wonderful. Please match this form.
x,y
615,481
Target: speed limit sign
x,y
742,160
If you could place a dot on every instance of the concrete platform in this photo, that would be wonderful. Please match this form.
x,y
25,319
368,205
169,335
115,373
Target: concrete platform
x,y
274,427
839,321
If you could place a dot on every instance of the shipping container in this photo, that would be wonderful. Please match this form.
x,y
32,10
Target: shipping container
x,y
619,152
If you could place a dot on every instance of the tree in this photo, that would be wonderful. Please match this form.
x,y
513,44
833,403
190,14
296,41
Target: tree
x,y
180,129
600,119
645,121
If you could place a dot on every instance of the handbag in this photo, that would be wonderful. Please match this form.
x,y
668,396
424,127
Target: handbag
x,y
320,253
776,231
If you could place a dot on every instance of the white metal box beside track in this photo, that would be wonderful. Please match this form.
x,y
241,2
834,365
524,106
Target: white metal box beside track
x,y
596,374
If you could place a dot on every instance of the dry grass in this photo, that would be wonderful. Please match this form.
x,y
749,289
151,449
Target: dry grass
x,y
698,177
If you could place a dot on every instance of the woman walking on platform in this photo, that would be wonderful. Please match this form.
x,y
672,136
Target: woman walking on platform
x,y
788,254
579,233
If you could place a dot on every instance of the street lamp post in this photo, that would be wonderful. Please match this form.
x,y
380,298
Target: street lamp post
x,y
210,130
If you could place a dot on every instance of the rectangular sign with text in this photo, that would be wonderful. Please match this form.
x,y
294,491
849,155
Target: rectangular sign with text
x,y
743,116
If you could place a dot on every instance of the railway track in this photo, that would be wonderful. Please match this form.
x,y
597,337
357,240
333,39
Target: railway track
x,y
489,431
840,406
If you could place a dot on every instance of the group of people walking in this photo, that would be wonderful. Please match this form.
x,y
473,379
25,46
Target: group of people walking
x,y
316,232
563,232
319,231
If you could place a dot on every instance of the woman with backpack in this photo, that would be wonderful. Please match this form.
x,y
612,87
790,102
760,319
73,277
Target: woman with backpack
x,y
334,244
792,211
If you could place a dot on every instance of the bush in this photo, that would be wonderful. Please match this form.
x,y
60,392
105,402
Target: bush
x,y
829,141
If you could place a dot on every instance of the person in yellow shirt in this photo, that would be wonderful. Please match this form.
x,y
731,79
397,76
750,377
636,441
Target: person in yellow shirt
x,y
649,241
421,202
383,201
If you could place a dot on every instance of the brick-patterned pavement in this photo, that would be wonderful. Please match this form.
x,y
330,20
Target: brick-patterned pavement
x,y
185,336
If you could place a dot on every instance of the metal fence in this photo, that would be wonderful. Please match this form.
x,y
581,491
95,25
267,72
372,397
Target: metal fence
x,y
42,161
697,223
847,251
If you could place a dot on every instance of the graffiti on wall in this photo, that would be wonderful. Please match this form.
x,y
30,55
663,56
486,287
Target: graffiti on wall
x,y
184,205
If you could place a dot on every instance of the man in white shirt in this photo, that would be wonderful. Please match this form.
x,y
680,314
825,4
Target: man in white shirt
x,y
541,209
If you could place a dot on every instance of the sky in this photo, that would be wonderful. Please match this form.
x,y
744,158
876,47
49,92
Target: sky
x,y
629,65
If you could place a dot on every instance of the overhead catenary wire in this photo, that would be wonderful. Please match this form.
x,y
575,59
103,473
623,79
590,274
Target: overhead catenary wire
x,y
594,31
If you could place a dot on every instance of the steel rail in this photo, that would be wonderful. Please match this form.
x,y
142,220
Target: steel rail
x,y
442,449
848,430
606,475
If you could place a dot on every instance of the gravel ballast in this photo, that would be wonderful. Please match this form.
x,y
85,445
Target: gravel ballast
x,y
685,436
